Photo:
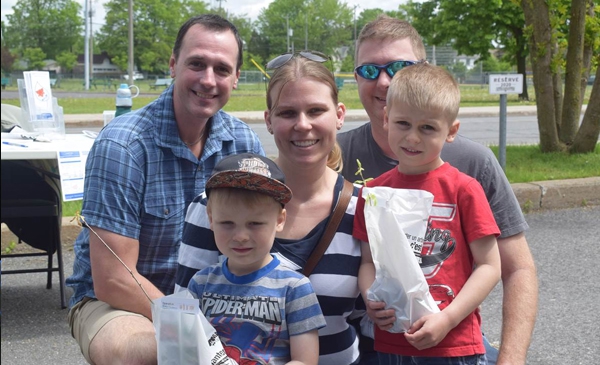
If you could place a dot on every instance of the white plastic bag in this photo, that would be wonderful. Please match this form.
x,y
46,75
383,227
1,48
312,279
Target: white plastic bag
x,y
396,221
183,334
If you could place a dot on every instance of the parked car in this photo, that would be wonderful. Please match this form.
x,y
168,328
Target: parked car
x,y
591,79
136,76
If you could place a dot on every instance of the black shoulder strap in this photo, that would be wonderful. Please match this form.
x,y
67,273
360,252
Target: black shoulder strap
x,y
332,225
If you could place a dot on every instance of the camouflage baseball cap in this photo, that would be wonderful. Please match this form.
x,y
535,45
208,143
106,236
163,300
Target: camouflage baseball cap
x,y
251,172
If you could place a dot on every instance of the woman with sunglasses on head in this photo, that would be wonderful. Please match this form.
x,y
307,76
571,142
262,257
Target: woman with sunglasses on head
x,y
304,115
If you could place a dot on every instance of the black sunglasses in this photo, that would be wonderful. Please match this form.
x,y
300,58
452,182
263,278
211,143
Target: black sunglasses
x,y
284,58
371,71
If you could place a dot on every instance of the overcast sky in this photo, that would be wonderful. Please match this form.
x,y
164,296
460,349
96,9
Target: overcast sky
x,y
250,8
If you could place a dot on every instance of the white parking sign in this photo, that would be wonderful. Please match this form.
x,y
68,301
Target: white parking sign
x,y
506,84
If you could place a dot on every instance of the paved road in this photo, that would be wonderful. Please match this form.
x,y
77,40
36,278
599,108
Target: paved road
x,y
564,244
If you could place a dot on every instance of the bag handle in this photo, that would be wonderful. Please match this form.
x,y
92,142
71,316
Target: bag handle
x,y
330,229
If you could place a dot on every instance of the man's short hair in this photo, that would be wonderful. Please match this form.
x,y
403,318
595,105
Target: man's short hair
x,y
214,23
386,27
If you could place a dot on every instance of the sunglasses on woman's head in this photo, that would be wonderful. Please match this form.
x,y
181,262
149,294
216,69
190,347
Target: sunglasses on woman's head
x,y
284,58
371,71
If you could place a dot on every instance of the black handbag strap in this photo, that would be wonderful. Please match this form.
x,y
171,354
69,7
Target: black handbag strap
x,y
332,225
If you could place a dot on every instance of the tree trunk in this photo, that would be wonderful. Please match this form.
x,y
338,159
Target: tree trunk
x,y
557,85
588,51
521,58
587,137
540,49
569,122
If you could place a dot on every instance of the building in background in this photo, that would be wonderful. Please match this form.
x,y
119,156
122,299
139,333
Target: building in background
x,y
101,66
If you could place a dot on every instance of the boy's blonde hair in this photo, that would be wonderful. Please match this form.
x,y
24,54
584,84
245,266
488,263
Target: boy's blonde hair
x,y
248,198
426,87
295,69
386,27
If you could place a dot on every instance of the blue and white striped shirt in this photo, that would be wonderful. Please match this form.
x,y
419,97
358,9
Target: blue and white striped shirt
x,y
139,180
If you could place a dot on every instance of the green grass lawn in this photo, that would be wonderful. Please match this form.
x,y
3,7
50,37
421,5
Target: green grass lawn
x,y
528,163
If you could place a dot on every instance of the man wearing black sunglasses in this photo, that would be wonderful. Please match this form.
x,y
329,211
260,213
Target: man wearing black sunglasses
x,y
385,46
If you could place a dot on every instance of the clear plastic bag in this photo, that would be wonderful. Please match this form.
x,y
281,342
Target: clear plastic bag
x,y
396,221
183,334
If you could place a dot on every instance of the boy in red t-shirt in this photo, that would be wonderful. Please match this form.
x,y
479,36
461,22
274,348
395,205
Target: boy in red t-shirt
x,y
460,257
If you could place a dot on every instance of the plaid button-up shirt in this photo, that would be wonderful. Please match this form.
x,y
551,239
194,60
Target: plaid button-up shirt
x,y
140,178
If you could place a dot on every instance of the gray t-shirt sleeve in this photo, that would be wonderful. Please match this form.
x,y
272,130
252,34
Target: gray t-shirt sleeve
x,y
479,161
358,143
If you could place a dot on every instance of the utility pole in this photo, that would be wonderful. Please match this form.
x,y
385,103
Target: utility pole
x,y
305,31
130,68
91,14
355,6
287,29
86,63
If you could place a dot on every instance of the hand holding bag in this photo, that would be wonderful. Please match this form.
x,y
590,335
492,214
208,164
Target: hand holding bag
x,y
396,221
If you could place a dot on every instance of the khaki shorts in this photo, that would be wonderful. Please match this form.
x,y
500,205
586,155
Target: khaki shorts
x,y
87,318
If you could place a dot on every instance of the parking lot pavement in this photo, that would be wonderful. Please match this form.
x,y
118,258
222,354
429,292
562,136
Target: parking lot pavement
x,y
34,327
563,243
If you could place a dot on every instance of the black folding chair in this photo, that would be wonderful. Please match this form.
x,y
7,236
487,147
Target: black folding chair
x,y
31,209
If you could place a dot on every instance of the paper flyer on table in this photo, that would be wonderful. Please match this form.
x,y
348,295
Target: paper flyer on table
x,y
71,165
39,96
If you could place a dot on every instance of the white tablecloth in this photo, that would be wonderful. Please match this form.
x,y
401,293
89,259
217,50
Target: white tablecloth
x,y
62,161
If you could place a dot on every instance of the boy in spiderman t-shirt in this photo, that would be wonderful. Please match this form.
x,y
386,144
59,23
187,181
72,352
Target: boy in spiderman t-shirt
x,y
263,311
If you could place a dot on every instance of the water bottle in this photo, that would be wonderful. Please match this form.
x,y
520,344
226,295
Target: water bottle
x,y
124,100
